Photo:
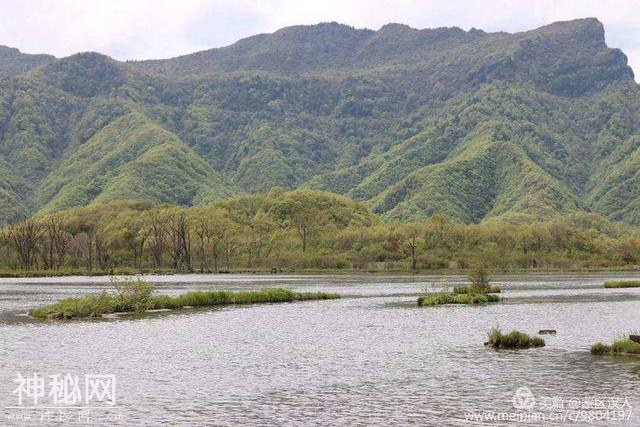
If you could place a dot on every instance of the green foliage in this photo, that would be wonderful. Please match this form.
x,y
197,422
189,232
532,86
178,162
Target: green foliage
x,y
621,346
132,158
479,278
491,289
300,230
441,298
13,62
86,306
625,346
515,340
600,348
132,294
213,298
623,284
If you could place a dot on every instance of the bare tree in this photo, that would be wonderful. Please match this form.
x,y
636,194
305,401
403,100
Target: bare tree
x,y
82,245
156,230
103,254
203,229
25,236
412,238
259,238
56,242
225,241
179,240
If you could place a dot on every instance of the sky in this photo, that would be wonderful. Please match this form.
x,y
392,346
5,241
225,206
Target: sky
x,y
144,29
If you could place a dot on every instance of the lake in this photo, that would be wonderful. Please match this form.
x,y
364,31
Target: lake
x,y
370,358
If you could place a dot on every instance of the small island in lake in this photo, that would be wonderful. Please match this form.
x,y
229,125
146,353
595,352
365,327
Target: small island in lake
x,y
479,291
136,296
623,346
514,340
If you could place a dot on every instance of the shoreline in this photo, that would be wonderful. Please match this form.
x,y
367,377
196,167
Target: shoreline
x,y
310,272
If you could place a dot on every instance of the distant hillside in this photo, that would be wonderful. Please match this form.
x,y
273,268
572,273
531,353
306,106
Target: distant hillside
x,y
13,62
479,126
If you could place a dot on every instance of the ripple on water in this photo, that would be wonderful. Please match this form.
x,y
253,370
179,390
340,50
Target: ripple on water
x,y
373,360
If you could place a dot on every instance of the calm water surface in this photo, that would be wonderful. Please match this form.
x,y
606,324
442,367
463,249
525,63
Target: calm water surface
x,y
370,358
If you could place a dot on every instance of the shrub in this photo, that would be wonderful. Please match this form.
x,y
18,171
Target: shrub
x,y
513,340
132,294
479,278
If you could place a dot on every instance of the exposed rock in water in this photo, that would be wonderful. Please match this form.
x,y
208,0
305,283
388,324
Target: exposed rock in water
x,y
547,332
635,338
55,316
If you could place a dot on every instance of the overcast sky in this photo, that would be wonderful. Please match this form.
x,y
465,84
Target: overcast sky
x,y
141,29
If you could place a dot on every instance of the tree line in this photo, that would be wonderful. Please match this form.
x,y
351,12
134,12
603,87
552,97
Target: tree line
x,y
302,229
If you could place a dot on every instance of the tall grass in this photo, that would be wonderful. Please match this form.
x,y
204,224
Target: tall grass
x,y
620,346
513,340
470,289
213,298
600,348
623,284
136,296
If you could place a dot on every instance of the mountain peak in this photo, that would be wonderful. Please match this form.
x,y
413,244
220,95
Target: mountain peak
x,y
85,74
589,30
13,62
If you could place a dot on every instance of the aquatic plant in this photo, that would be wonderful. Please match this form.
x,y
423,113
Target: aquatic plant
x,y
513,340
623,284
136,298
465,289
600,348
623,345
441,298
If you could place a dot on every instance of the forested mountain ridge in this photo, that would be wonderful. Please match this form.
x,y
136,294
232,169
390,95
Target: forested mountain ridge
x,y
475,125
13,62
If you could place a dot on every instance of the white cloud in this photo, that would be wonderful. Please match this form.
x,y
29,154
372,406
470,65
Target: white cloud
x,y
137,29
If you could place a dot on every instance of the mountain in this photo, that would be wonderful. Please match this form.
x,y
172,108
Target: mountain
x,y
479,126
13,62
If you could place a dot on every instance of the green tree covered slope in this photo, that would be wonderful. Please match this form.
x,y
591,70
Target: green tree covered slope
x,y
479,126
